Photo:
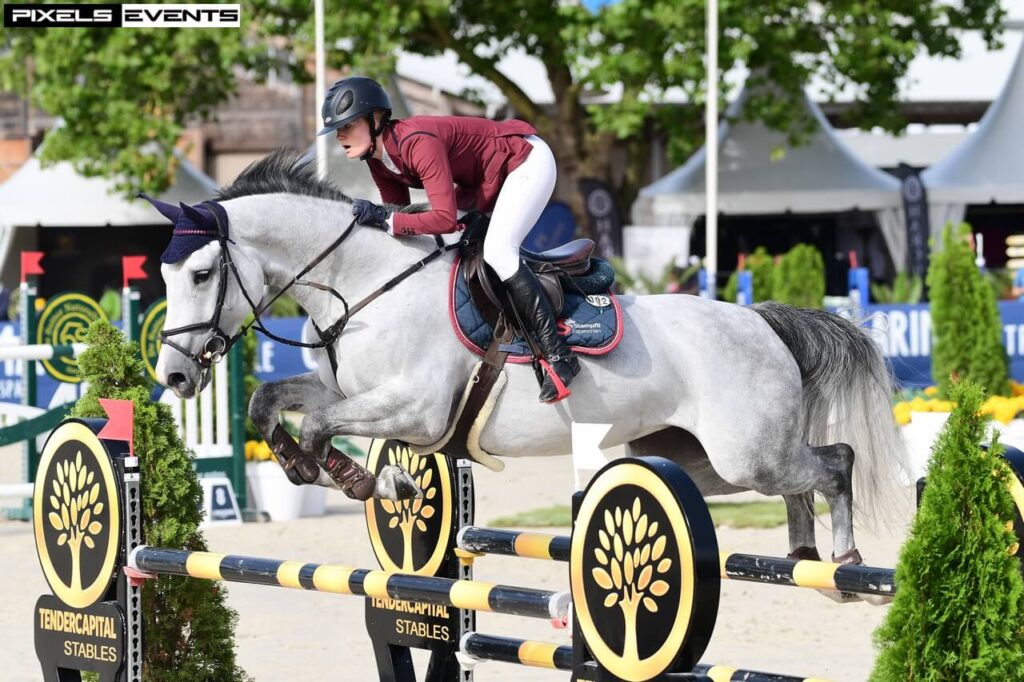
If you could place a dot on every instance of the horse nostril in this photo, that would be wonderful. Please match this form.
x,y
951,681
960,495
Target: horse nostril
x,y
176,380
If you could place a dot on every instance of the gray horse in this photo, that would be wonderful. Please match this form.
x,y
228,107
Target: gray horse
x,y
768,398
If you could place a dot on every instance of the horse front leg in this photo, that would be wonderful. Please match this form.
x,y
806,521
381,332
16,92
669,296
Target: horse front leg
x,y
300,393
382,412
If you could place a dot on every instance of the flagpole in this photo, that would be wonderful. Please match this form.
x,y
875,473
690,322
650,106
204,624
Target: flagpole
x,y
321,87
711,154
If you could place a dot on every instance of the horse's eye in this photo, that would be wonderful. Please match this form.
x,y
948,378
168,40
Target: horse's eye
x,y
200,276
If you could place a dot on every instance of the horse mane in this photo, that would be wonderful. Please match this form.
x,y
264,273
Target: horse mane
x,y
285,170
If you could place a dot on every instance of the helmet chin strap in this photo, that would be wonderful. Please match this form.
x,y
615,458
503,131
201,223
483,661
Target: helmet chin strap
x,y
374,132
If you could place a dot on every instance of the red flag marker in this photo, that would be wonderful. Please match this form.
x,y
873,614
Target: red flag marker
x,y
121,425
31,263
132,268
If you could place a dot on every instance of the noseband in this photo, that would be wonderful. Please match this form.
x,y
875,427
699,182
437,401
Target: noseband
x,y
218,343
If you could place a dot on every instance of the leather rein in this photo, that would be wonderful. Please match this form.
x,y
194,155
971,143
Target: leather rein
x,y
218,343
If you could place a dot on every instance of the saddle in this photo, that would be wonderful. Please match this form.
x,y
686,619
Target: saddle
x,y
554,268
484,319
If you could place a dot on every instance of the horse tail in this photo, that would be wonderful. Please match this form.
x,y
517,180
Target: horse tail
x,y
847,398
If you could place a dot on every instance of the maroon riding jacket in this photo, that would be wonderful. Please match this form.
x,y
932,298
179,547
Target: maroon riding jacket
x,y
460,161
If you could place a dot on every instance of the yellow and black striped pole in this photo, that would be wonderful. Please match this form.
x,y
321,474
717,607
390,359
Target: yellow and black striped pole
x,y
724,673
820,575
337,579
514,543
559,657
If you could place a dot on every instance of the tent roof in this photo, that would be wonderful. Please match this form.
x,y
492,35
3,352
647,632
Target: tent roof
x,y
59,196
987,166
821,176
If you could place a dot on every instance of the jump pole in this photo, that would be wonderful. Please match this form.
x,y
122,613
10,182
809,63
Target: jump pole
x,y
646,507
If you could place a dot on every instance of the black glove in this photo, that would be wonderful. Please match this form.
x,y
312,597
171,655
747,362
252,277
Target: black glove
x,y
370,214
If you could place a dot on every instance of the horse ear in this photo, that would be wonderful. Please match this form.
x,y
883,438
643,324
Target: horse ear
x,y
196,216
169,211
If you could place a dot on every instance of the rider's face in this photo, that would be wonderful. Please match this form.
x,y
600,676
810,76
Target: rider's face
x,y
354,138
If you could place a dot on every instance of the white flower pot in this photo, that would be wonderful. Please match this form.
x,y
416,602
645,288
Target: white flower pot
x,y
314,500
272,492
923,430
919,436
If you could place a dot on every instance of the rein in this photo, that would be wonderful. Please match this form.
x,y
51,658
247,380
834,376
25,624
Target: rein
x,y
219,343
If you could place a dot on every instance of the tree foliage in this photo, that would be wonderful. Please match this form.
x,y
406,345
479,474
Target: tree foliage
x,y
188,624
799,278
124,95
760,265
965,318
118,89
957,612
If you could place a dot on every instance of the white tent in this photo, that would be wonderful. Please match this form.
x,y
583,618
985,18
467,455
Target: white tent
x,y
988,166
58,196
759,173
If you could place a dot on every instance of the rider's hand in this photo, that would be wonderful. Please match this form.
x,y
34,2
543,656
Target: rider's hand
x,y
370,214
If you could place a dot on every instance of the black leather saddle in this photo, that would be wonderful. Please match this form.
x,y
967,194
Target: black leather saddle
x,y
555,268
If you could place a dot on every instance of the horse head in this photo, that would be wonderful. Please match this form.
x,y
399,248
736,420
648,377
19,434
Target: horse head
x,y
210,282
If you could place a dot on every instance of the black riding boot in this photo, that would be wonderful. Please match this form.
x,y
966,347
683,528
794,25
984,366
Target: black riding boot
x,y
559,363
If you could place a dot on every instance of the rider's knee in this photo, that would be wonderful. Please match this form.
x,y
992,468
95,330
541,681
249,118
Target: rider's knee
x,y
502,257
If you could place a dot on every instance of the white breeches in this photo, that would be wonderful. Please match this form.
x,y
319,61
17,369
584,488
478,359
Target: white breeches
x,y
522,199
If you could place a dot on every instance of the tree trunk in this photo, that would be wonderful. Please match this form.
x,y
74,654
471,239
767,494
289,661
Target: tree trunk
x,y
578,152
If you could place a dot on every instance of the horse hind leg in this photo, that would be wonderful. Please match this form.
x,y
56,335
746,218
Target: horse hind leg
x,y
800,520
828,470
836,486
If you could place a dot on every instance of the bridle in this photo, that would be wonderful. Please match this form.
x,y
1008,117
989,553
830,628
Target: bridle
x,y
218,343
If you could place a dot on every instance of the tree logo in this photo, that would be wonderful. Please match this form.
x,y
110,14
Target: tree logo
x,y
631,557
635,571
411,536
65,320
76,515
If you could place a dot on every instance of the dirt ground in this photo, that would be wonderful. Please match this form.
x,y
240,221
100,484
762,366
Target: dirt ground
x,y
298,635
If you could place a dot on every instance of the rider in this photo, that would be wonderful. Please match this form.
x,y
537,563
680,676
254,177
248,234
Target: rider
x,y
463,163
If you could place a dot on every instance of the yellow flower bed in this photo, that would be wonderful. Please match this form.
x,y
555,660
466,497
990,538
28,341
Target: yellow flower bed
x,y
1001,408
257,451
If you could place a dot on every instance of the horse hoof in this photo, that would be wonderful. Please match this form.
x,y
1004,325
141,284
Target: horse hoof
x,y
804,554
394,483
841,597
848,558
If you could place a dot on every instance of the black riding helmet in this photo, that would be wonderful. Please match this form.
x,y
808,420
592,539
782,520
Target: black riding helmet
x,y
352,98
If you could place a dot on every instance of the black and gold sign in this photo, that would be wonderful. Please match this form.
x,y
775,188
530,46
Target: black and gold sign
x,y
65,320
413,536
79,639
76,511
644,583
149,335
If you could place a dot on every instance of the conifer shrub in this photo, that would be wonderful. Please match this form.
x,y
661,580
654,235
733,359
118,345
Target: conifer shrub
x,y
959,605
189,629
799,278
965,318
759,264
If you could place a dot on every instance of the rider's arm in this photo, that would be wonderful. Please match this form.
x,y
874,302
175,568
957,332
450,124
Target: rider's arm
x,y
428,157
391,190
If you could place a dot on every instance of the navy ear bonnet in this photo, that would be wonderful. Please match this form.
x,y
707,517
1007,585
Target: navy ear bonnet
x,y
194,227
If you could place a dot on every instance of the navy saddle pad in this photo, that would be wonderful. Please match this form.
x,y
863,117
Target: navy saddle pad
x,y
590,324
